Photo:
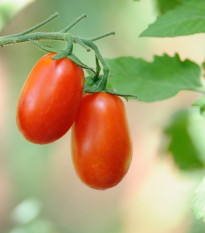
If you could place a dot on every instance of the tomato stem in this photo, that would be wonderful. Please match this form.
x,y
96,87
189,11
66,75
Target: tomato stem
x,y
98,68
44,47
102,36
69,47
106,68
6,40
80,42
79,63
74,23
30,36
38,25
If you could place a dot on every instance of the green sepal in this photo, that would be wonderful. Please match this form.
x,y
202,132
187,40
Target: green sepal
x,y
59,56
73,58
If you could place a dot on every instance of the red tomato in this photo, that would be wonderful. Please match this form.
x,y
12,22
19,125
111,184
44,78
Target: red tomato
x,y
50,99
101,144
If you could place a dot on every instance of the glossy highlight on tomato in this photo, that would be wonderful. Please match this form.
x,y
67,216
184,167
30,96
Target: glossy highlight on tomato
x,y
50,99
101,144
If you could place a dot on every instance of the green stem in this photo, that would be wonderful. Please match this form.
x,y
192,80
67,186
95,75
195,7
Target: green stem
x,y
38,25
88,44
69,47
102,36
80,42
79,63
44,47
5,40
74,23
106,68
98,68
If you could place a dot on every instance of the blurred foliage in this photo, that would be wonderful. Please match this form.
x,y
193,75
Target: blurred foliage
x,y
164,5
27,218
158,80
29,164
43,226
9,9
185,132
197,227
186,19
199,202
26,211
201,104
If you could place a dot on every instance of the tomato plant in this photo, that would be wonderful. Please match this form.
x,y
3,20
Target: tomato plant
x,y
50,99
101,144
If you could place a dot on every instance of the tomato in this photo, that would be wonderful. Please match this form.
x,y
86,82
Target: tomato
x,y
50,99
101,144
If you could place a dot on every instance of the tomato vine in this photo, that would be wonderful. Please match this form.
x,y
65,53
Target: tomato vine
x,y
99,82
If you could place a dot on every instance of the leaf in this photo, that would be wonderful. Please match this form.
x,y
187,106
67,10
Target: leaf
x,y
187,19
164,5
9,9
199,201
187,134
157,80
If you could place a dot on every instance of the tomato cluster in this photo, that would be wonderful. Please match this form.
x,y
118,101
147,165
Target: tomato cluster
x,y
52,101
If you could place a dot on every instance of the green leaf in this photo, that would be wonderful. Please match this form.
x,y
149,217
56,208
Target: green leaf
x,y
199,201
186,133
164,5
187,19
157,80
9,9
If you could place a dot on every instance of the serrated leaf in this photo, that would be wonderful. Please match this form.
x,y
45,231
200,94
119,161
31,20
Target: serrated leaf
x,y
164,5
186,19
186,133
199,201
157,80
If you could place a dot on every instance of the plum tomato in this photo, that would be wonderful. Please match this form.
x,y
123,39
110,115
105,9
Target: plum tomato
x,y
50,99
101,143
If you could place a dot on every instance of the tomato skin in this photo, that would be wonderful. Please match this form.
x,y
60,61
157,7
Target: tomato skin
x,y
50,99
101,144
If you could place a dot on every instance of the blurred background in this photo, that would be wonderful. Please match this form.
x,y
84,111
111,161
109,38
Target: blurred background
x,y
39,189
